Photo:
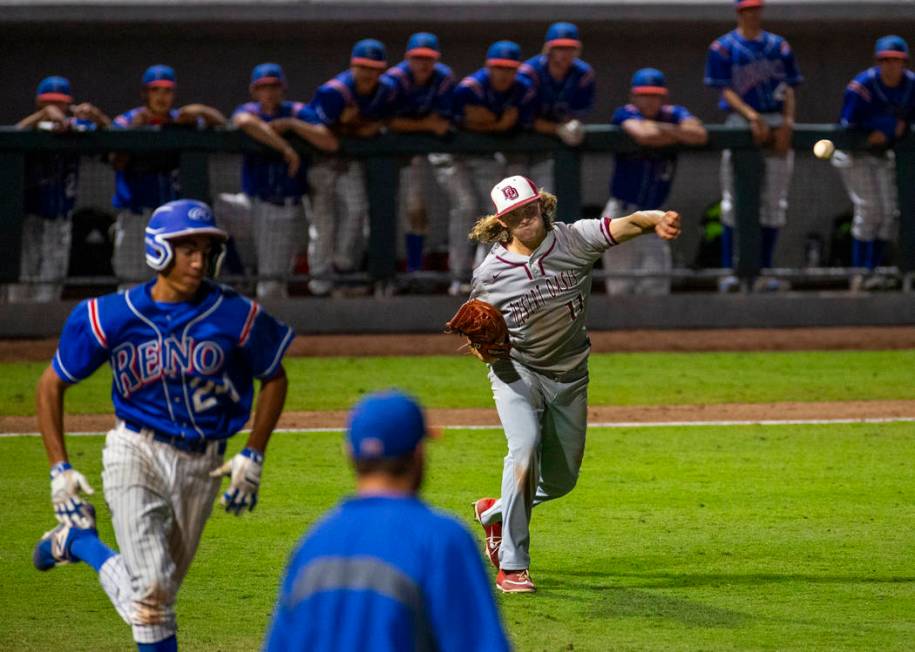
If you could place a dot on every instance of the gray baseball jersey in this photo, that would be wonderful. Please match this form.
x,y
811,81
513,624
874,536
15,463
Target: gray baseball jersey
x,y
544,297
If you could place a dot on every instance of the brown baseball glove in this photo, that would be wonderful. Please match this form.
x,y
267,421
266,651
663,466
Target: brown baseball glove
x,y
484,327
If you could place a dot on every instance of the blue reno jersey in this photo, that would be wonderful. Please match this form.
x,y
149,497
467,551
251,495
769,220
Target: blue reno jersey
x,y
560,101
386,574
182,369
149,180
475,90
869,104
51,179
643,178
416,102
266,176
757,70
338,94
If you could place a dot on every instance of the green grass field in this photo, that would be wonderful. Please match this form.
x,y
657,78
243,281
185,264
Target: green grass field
x,y
690,538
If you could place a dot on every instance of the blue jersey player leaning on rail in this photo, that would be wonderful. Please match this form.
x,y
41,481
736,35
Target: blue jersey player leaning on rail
x,y
184,353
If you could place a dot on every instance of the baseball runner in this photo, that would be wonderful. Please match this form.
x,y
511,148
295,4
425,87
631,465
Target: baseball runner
x,y
421,103
756,74
354,103
493,100
642,180
881,101
184,353
275,187
565,93
382,571
538,275
50,192
144,182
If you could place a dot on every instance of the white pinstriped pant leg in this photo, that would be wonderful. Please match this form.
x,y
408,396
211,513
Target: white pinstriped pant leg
x,y
647,253
160,499
541,171
870,182
277,234
129,257
56,237
453,174
773,205
322,181
353,218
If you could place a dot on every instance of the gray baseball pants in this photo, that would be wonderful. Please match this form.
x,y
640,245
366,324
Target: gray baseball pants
x,y
545,422
160,499
44,258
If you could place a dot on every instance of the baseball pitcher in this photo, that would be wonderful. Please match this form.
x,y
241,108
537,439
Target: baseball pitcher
x,y
538,275
184,353
880,101
756,74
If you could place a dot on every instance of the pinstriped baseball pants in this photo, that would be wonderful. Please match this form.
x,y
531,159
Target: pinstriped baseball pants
x,y
160,499
545,422
44,258
129,257
336,236
278,233
870,182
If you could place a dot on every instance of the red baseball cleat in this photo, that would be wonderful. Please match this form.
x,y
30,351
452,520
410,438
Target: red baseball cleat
x,y
515,581
493,532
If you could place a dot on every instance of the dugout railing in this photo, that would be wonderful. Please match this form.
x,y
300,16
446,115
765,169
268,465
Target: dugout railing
x,y
385,155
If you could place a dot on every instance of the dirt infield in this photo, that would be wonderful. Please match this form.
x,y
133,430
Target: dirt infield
x,y
748,339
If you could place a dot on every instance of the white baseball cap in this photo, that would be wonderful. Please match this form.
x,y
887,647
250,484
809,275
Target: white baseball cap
x,y
513,192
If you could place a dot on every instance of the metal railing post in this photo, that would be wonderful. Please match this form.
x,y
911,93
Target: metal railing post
x,y
567,177
12,185
905,182
382,175
749,168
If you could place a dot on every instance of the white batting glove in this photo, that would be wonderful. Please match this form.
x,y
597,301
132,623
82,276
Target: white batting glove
x,y
244,471
66,485
572,133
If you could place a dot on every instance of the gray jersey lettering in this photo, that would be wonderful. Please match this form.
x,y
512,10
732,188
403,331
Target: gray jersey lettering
x,y
544,296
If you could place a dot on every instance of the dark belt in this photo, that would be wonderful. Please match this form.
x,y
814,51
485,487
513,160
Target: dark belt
x,y
195,446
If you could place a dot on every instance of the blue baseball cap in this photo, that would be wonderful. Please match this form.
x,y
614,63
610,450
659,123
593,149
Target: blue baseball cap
x,y
268,73
504,54
370,53
386,424
891,47
423,44
54,89
159,75
562,35
747,4
649,81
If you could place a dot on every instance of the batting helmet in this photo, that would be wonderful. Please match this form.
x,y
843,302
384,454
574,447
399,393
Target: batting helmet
x,y
54,89
178,219
891,47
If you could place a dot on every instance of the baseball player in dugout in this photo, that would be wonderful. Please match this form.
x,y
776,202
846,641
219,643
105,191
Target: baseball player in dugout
x,y
642,180
50,192
184,353
493,100
144,182
421,103
382,572
538,276
565,94
881,102
354,103
273,185
756,74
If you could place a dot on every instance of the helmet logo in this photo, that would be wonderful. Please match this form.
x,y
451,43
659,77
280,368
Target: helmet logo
x,y
510,192
199,214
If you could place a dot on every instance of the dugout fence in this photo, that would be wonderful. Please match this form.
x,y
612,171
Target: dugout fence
x,y
208,157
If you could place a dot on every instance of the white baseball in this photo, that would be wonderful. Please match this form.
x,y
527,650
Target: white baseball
x,y
823,148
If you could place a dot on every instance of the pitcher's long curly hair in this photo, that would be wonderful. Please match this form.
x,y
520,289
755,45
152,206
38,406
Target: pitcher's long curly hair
x,y
488,229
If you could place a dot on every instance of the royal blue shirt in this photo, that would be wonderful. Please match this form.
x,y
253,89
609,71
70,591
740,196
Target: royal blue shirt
x,y
338,94
149,180
758,70
386,574
560,101
476,90
266,176
52,179
643,178
410,100
871,105
183,369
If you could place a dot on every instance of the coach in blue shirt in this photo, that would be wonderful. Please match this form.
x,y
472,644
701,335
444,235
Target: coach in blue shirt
x,y
383,571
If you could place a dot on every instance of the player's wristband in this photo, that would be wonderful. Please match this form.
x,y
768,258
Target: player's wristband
x,y
59,468
253,455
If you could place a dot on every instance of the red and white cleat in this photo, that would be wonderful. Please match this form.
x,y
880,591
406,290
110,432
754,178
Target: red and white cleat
x,y
493,532
515,581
